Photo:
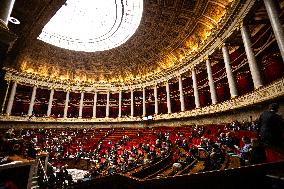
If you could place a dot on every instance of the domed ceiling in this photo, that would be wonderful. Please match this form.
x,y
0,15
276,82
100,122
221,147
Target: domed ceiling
x,y
170,31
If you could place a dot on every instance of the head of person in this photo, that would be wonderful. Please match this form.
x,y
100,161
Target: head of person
x,y
246,140
274,107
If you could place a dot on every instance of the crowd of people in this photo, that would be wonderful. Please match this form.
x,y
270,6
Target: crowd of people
x,y
124,153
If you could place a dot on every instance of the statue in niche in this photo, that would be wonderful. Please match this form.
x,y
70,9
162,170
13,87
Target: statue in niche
x,y
55,71
71,74
24,65
49,70
42,69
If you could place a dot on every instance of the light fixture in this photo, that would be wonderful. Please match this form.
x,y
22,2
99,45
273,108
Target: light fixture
x,y
14,20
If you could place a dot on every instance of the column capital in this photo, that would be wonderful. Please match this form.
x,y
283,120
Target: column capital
x,y
52,87
224,44
240,25
208,61
206,57
67,90
167,81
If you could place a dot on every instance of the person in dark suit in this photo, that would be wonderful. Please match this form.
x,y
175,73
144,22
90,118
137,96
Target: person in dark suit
x,y
270,127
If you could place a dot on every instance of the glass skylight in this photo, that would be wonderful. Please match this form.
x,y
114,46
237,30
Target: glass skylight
x,y
93,25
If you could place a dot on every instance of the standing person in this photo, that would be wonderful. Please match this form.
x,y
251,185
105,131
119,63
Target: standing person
x,y
270,128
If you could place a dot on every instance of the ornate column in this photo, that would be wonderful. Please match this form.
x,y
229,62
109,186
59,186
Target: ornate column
x,y
275,23
181,97
31,107
95,105
5,98
132,103
211,82
50,102
11,99
6,10
230,76
107,105
156,99
168,98
119,103
81,104
254,69
195,89
66,104
144,102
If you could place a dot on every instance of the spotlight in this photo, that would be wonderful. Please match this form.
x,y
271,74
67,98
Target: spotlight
x,y
14,20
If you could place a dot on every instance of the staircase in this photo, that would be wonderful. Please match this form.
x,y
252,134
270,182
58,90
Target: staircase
x,y
41,165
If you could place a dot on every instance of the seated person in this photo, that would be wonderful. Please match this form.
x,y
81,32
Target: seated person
x,y
230,142
31,151
257,153
244,152
216,157
112,169
176,168
9,134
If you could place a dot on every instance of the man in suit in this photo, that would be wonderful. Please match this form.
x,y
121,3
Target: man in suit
x,y
270,127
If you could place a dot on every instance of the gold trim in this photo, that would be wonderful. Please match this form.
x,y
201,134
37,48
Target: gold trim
x,y
234,96
3,25
258,87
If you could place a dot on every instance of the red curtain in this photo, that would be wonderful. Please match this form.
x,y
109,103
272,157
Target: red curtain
x,y
204,98
273,67
244,83
223,92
